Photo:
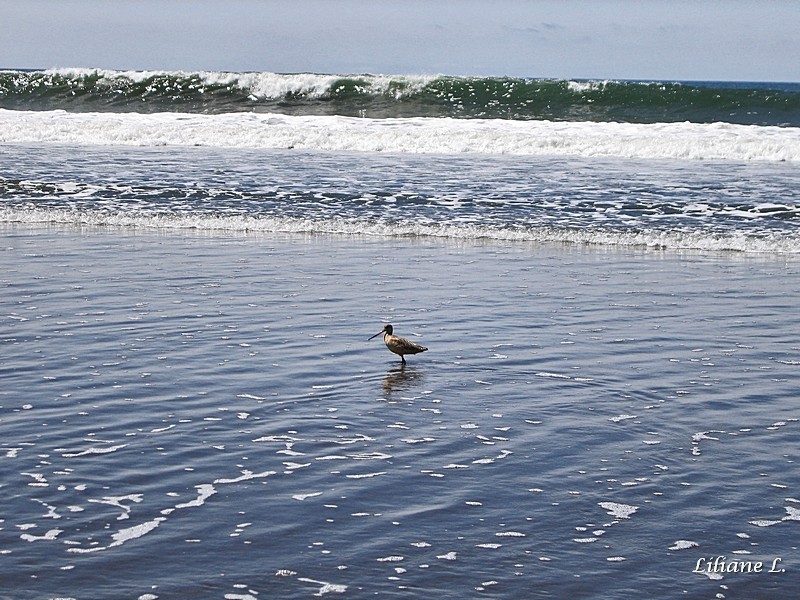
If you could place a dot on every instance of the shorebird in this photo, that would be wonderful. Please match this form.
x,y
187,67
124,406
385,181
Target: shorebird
x,y
397,344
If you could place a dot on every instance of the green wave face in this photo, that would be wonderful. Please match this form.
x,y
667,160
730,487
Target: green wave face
x,y
378,96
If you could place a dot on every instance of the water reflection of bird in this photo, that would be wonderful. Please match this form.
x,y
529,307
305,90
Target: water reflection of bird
x,y
397,344
401,378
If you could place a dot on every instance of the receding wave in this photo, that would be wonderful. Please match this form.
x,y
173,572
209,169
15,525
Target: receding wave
x,y
779,243
687,141
383,96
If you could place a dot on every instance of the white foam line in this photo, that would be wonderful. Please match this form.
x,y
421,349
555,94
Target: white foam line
x,y
622,417
366,475
339,226
50,535
245,476
93,451
793,514
418,135
325,587
118,502
302,497
137,531
204,492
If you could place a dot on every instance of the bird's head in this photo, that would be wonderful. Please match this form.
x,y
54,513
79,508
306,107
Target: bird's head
x,y
386,329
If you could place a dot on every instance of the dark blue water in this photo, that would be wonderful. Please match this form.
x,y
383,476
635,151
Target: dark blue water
x,y
586,424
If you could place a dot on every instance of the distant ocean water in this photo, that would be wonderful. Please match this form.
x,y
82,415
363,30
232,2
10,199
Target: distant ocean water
x,y
381,96
605,274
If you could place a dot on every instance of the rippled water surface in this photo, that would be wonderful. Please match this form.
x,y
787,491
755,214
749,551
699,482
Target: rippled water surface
x,y
190,415
709,205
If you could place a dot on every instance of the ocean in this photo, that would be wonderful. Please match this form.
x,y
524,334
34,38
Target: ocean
x,y
605,273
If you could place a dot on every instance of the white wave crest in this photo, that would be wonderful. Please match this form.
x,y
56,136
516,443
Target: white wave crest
x,y
262,85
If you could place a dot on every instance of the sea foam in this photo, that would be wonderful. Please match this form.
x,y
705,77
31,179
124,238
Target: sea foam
x,y
674,240
417,135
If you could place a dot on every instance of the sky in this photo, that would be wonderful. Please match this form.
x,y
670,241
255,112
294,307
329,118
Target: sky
x,y
732,40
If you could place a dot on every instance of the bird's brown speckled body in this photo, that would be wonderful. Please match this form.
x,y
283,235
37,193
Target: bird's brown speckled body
x,y
397,344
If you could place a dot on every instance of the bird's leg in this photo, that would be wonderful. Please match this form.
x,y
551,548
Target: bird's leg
x,y
402,358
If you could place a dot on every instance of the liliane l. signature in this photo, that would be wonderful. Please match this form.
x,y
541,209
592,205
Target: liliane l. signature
x,y
721,564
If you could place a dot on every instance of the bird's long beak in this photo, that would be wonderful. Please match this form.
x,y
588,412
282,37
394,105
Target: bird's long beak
x,y
376,335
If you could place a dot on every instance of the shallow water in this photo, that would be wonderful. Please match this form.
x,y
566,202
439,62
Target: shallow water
x,y
752,207
190,415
